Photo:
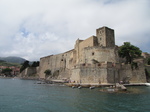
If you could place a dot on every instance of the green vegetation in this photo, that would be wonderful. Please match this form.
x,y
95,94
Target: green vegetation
x,y
47,73
24,66
35,64
3,63
27,64
56,74
7,72
129,52
134,65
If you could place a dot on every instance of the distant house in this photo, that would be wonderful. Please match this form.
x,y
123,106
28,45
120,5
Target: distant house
x,y
15,70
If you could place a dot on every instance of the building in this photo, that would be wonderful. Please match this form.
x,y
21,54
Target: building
x,y
94,60
15,70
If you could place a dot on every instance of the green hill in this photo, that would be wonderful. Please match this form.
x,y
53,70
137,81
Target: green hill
x,y
9,64
13,59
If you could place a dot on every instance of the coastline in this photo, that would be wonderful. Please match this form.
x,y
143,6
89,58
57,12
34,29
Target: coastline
x,y
7,77
103,85
86,85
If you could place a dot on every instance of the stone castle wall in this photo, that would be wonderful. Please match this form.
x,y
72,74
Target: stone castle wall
x,y
94,60
80,45
89,74
100,54
30,72
95,73
61,62
135,75
107,73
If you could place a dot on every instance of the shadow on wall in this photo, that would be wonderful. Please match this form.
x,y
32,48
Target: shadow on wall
x,y
147,72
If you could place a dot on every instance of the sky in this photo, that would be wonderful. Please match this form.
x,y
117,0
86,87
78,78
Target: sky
x,y
32,29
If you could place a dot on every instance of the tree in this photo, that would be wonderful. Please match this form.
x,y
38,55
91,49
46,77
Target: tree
x,y
129,52
35,64
47,73
7,71
24,66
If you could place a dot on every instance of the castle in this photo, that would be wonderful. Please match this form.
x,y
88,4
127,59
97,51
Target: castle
x,y
93,61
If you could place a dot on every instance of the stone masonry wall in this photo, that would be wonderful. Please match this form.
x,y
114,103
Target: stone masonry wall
x,y
107,73
30,72
100,54
112,75
62,62
89,75
75,77
80,45
94,60
132,76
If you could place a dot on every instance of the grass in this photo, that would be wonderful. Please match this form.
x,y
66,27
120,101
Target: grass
x,y
9,64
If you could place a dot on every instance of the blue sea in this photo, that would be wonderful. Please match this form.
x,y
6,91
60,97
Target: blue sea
x,y
26,96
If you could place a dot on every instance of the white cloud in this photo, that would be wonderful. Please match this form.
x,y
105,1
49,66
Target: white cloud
x,y
32,29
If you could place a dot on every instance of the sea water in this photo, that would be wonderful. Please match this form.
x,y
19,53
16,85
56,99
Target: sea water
x,y
26,96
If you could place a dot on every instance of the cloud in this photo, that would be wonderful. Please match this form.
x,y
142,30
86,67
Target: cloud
x,y
33,29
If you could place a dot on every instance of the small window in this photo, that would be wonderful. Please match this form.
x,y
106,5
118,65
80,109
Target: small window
x,y
83,64
62,60
92,53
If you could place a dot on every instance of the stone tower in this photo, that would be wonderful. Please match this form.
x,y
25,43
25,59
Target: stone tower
x,y
105,37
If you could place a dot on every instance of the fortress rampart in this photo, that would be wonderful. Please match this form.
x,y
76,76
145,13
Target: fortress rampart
x,y
94,60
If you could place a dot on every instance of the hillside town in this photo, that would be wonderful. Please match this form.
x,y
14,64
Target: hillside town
x,y
10,71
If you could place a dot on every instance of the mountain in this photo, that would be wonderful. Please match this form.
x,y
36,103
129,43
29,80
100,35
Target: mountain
x,y
13,59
